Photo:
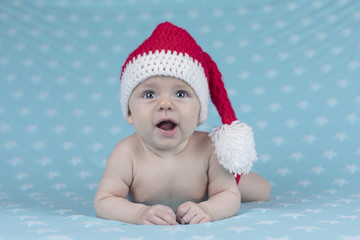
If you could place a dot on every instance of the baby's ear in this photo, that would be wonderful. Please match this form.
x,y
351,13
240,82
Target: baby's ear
x,y
129,118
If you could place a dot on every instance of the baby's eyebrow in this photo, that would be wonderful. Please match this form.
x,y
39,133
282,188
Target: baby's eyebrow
x,y
158,85
149,84
145,85
181,87
182,84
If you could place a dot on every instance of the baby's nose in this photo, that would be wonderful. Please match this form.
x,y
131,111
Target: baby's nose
x,y
165,104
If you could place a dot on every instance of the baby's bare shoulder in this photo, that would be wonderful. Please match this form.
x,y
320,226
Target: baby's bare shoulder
x,y
124,149
201,140
128,144
203,136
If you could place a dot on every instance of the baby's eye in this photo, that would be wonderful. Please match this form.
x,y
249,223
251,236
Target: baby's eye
x,y
181,94
149,95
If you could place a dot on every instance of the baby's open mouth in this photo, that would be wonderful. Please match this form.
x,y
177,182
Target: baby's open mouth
x,y
166,125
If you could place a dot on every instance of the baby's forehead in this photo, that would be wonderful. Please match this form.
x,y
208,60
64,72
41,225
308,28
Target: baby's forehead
x,y
161,80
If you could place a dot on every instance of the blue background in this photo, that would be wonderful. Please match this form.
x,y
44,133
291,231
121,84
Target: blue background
x,y
291,69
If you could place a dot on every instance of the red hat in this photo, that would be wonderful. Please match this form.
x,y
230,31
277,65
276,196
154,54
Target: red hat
x,y
172,51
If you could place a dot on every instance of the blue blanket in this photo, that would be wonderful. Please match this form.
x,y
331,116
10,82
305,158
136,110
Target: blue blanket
x,y
292,72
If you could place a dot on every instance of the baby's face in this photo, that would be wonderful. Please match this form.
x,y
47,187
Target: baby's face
x,y
164,111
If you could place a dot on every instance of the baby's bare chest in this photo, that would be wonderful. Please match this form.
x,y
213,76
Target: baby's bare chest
x,y
170,182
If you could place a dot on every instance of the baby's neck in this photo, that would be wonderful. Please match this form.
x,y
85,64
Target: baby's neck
x,y
165,153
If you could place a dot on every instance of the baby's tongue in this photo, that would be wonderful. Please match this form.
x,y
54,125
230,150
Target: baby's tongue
x,y
166,125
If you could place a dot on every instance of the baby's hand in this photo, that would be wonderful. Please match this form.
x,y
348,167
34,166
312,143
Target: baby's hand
x,y
190,213
156,215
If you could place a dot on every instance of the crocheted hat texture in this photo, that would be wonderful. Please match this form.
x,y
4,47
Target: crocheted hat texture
x,y
172,51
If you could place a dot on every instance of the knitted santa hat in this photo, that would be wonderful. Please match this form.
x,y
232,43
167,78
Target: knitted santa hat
x,y
171,51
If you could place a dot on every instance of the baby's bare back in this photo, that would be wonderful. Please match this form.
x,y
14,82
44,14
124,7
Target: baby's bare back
x,y
173,180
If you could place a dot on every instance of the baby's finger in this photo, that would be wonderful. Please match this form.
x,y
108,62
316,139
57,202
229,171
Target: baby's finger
x,y
155,220
146,222
205,219
169,218
188,217
196,219
200,218
169,210
167,214
182,210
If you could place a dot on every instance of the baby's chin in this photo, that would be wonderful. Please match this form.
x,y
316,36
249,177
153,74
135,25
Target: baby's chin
x,y
160,142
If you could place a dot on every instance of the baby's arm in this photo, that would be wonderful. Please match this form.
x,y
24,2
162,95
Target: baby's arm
x,y
253,187
224,198
110,200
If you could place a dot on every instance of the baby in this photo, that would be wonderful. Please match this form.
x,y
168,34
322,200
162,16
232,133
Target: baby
x,y
167,173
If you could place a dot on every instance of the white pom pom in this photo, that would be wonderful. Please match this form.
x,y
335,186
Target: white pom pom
x,y
234,146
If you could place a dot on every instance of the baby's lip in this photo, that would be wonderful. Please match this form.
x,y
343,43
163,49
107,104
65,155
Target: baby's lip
x,y
166,120
166,124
